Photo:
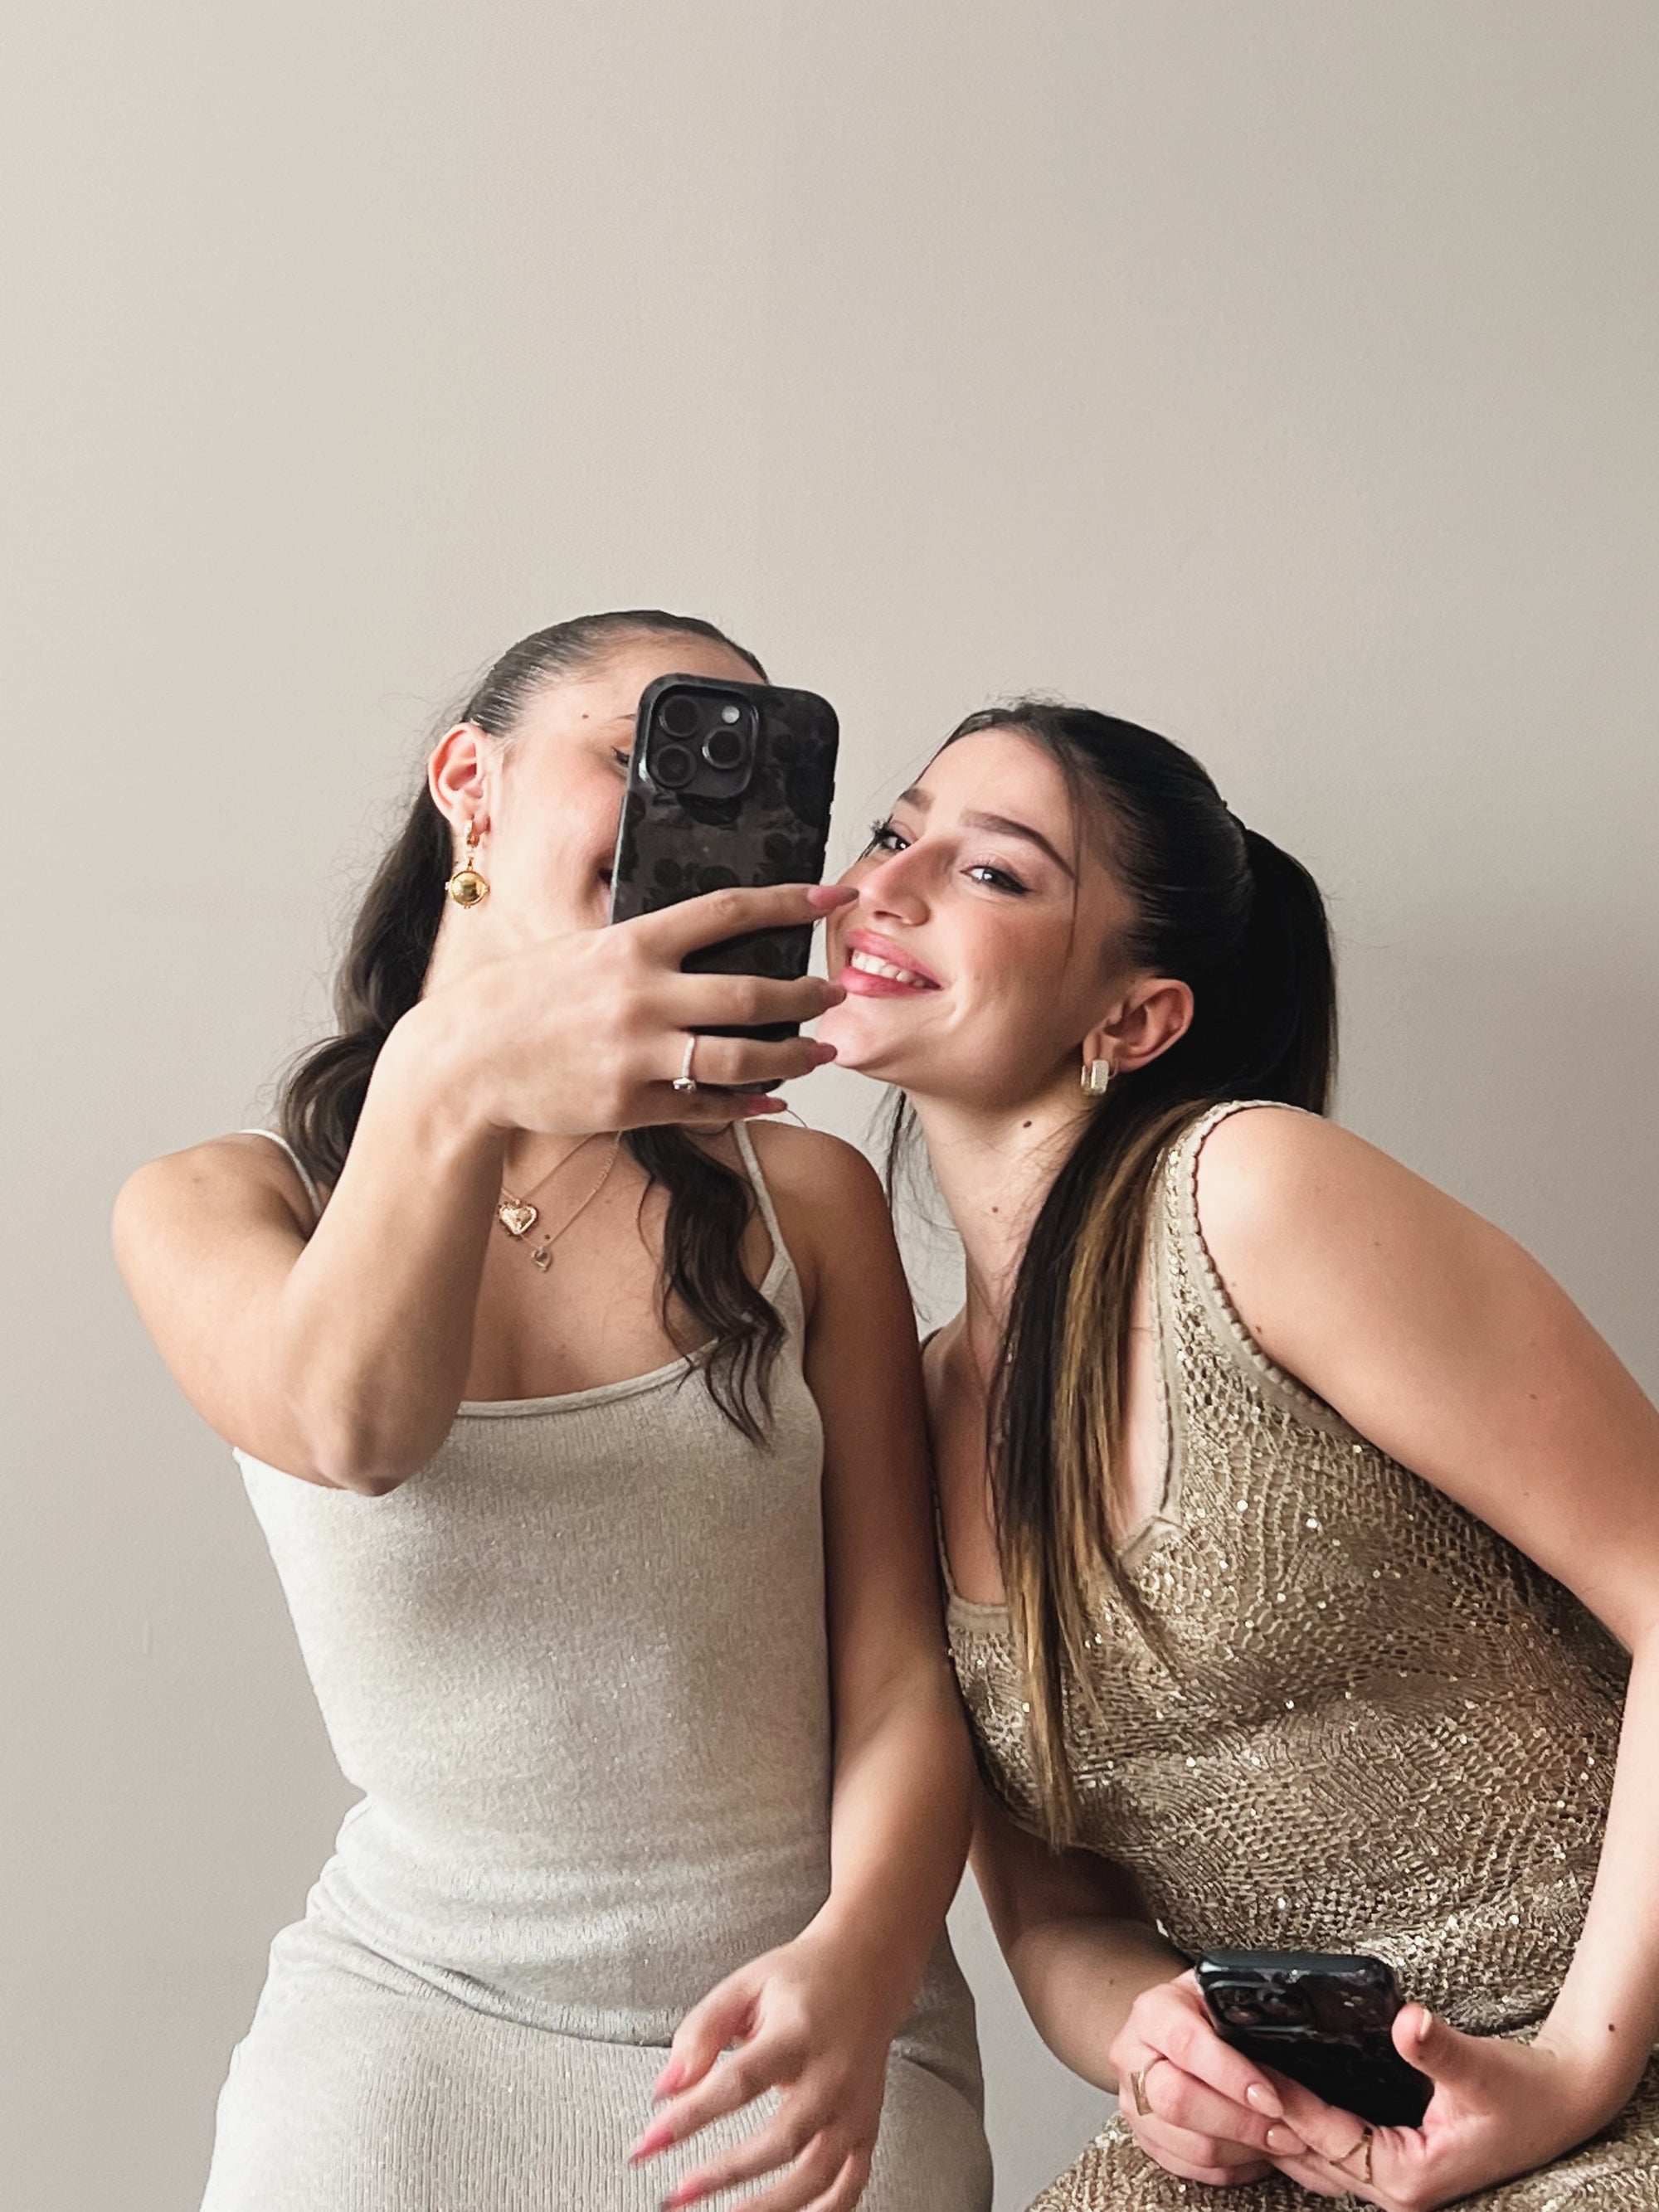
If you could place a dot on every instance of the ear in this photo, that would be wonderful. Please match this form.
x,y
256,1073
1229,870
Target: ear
x,y
1154,1013
460,776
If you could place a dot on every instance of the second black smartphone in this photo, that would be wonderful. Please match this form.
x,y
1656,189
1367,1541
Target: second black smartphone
x,y
728,784
1323,2017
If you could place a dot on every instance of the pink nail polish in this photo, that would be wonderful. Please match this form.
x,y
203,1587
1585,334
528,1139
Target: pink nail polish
x,y
669,2078
652,2141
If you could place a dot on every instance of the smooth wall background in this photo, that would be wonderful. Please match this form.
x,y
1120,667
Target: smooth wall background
x,y
1278,372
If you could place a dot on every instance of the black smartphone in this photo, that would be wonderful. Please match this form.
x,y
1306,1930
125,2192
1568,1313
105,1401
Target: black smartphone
x,y
728,784
1323,2017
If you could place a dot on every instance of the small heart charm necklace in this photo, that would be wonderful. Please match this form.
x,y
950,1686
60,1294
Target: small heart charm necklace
x,y
518,1217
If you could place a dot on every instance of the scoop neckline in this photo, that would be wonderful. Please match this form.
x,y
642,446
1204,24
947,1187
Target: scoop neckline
x,y
499,1409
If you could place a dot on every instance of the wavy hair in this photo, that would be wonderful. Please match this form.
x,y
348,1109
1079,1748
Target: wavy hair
x,y
384,972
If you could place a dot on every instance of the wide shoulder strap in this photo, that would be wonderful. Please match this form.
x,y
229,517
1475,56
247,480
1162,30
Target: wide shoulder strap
x,y
1195,1306
299,1167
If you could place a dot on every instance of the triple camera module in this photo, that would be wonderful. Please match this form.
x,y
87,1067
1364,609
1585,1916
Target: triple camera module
x,y
701,743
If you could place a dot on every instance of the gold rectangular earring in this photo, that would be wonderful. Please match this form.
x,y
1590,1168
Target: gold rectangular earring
x,y
1097,1077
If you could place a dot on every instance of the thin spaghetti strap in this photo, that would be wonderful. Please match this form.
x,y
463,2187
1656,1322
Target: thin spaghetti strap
x,y
758,1183
299,1166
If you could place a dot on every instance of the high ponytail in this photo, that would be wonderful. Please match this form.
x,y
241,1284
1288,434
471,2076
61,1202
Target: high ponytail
x,y
384,973
1224,909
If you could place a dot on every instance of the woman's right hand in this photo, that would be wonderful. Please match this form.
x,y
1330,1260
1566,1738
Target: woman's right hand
x,y
587,1031
1210,2115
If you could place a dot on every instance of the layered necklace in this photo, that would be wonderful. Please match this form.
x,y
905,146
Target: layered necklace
x,y
519,1217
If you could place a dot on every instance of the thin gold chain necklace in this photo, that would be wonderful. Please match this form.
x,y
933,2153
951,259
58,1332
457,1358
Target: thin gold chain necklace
x,y
518,1217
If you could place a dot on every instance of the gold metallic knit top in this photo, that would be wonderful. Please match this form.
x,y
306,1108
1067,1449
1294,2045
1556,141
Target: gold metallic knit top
x,y
1380,1728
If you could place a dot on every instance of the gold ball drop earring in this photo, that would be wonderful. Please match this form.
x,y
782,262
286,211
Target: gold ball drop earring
x,y
466,886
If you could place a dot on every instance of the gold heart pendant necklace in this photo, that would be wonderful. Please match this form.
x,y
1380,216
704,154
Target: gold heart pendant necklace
x,y
518,1217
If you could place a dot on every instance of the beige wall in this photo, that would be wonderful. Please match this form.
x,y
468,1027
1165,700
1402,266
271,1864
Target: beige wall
x,y
1280,373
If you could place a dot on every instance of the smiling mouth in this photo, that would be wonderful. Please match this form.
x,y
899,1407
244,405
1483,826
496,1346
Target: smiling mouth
x,y
867,964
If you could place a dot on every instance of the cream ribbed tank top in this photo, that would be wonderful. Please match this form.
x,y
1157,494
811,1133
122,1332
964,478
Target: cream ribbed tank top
x,y
577,1665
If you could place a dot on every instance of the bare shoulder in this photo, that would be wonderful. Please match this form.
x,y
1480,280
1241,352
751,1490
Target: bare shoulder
x,y
830,1205
814,1168
1305,1223
237,1177
1266,1171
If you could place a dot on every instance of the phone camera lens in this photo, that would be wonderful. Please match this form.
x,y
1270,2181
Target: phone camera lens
x,y
677,715
730,713
672,767
1280,2005
723,748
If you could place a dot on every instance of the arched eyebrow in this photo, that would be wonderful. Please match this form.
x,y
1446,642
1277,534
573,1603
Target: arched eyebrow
x,y
921,800
1001,823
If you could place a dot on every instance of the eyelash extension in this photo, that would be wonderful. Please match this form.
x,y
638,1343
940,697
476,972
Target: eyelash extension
x,y
878,831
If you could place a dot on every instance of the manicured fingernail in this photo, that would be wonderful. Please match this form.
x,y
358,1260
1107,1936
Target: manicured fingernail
x,y
652,2141
688,2193
825,897
836,994
1281,2139
669,2077
1264,2100
822,1054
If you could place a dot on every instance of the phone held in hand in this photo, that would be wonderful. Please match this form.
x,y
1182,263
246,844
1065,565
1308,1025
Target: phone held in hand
x,y
1322,2018
728,784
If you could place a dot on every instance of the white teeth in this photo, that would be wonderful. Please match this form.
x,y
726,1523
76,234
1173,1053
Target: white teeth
x,y
867,964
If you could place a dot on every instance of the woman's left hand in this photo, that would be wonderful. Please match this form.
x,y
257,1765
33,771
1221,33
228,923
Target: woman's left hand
x,y
801,2023
1499,2108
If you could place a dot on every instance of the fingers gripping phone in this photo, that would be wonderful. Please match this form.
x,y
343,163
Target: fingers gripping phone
x,y
728,784
1322,2018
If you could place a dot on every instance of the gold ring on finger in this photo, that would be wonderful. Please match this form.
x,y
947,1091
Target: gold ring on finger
x,y
1138,2084
685,1081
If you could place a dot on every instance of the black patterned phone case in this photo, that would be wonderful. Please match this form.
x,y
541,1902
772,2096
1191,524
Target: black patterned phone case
x,y
759,819
1324,2019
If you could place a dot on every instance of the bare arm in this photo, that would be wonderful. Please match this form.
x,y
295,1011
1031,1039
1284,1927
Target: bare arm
x,y
1437,1336
817,2015
903,1763
1098,1981
1067,1923
340,1356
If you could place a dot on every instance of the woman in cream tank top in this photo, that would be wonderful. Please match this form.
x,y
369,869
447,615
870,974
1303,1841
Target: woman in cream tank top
x,y
594,1777
595,1479
1302,1540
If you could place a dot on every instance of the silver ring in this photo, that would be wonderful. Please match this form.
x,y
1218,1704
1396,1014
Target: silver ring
x,y
685,1080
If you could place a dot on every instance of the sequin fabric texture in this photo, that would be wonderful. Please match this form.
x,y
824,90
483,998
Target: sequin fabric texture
x,y
1380,1727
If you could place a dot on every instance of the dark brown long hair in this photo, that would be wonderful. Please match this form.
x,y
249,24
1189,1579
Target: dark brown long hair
x,y
382,976
1222,908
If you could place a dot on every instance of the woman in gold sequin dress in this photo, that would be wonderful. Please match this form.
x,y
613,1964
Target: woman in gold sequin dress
x,y
1302,1540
